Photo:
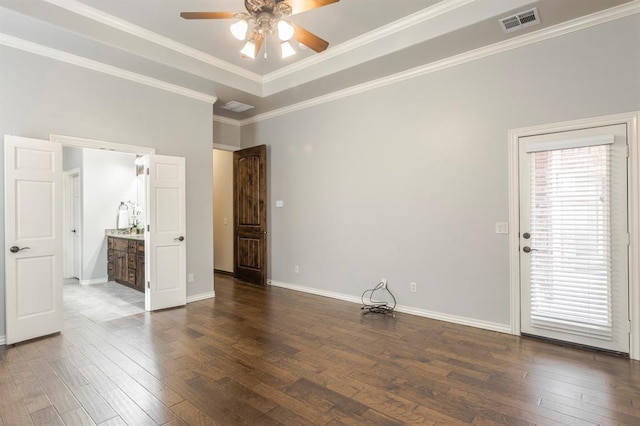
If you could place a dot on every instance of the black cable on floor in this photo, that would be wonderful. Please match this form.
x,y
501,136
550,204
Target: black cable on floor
x,y
370,306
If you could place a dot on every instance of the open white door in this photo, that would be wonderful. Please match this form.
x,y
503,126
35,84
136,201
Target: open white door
x,y
33,237
165,239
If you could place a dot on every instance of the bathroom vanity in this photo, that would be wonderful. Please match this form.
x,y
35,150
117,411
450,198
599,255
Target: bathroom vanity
x,y
126,260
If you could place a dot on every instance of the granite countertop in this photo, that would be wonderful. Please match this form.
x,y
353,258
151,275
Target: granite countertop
x,y
124,233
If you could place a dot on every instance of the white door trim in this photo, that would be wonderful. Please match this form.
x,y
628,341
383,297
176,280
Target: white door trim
x,y
74,142
632,120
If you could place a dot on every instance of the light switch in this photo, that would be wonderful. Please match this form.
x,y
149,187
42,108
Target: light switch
x,y
279,203
225,221
502,227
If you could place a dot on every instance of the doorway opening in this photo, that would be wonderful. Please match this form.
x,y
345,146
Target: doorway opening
x,y
223,211
104,215
240,190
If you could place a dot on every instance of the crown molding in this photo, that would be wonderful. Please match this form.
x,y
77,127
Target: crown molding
x,y
564,28
225,120
59,55
401,24
97,15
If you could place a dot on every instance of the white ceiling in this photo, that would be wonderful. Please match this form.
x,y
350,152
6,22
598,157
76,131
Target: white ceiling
x,y
369,39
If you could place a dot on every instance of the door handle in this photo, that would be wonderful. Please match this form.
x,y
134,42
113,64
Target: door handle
x,y
180,238
528,249
16,249
73,230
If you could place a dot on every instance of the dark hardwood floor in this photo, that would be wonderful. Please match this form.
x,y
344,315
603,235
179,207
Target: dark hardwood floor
x,y
274,356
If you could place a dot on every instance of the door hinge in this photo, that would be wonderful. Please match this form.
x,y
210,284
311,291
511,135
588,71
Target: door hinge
x,y
627,151
148,284
628,239
147,170
147,228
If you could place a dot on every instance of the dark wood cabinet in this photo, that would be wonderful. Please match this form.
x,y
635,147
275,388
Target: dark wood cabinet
x,y
126,261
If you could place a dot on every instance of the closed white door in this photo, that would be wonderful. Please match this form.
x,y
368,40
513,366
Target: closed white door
x,y
165,239
574,237
33,238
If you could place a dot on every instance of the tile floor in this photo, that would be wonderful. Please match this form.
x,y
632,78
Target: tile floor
x,y
84,304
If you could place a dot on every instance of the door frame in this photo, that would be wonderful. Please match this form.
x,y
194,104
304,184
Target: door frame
x,y
76,142
228,148
632,121
67,209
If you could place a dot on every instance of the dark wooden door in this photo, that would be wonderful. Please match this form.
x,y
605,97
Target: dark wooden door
x,y
250,214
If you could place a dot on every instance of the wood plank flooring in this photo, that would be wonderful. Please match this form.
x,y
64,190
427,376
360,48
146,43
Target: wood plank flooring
x,y
273,356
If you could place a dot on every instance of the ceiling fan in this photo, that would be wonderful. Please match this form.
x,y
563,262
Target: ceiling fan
x,y
267,17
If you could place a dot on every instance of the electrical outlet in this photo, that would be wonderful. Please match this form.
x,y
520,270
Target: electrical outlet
x,y
384,282
190,278
412,287
296,269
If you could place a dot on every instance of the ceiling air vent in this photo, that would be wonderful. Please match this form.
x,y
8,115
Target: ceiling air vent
x,y
520,20
236,106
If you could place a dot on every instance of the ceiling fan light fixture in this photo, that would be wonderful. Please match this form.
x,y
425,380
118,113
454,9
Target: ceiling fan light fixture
x,y
287,50
249,50
285,30
239,29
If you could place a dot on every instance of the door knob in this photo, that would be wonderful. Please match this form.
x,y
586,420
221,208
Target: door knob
x,y
16,249
180,238
73,230
528,249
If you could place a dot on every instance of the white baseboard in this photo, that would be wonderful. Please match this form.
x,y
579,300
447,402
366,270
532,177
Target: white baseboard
x,y
501,328
318,292
94,281
471,322
3,340
201,296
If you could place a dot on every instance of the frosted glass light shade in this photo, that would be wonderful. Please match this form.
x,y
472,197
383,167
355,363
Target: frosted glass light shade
x,y
287,50
239,29
285,30
249,50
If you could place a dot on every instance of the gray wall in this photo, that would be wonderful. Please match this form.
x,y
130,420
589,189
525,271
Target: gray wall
x,y
71,158
39,96
406,182
226,134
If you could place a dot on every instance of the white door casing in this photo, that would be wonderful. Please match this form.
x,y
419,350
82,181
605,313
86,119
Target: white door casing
x,y
33,225
552,271
165,240
632,122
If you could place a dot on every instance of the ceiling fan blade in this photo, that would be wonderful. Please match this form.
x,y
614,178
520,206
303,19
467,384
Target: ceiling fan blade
x,y
298,6
309,39
208,15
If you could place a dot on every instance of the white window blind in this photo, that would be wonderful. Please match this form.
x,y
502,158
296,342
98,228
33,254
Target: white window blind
x,y
571,241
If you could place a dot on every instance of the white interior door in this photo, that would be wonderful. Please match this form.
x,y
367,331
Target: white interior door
x,y
165,238
77,226
574,237
33,238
